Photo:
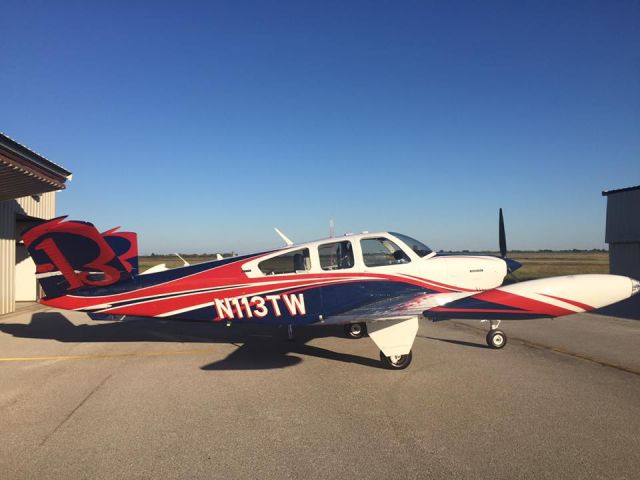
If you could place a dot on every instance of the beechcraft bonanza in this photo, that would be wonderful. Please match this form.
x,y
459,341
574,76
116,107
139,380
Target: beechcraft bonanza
x,y
380,283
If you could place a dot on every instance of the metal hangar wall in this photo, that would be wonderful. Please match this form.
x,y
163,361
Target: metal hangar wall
x,y
623,237
28,185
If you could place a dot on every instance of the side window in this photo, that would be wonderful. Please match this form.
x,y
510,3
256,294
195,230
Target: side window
x,y
377,252
290,262
336,256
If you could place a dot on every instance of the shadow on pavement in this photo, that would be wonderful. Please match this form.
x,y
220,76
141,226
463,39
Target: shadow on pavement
x,y
458,342
260,346
276,355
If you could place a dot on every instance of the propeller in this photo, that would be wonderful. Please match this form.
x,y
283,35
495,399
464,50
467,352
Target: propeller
x,y
512,265
502,237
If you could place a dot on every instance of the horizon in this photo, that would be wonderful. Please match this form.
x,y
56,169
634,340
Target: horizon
x,y
225,254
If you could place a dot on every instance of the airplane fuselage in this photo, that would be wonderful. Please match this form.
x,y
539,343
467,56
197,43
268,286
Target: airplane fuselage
x,y
299,284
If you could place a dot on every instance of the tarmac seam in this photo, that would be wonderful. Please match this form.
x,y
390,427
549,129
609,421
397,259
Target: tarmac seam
x,y
66,419
540,346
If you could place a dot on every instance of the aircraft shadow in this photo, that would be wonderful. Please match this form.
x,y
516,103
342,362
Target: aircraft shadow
x,y
278,355
458,342
259,346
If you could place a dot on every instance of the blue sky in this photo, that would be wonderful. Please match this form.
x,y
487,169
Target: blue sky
x,y
202,125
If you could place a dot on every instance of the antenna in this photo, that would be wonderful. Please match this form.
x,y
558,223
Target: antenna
x,y
283,237
332,228
186,264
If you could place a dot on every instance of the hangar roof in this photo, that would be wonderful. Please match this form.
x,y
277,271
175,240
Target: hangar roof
x,y
24,172
606,193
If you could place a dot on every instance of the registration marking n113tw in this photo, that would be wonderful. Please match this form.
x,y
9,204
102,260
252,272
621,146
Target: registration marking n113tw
x,y
259,306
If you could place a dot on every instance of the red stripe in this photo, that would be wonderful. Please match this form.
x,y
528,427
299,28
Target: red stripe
x,y
583,306
517,301
220,276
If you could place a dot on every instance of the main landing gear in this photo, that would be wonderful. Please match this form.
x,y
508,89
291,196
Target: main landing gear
x,y
396,362
496,338
394,338
355,330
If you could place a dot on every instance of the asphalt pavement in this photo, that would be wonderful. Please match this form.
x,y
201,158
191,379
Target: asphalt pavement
x,y
159,399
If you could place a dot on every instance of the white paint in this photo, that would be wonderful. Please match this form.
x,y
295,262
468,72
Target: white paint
x,y
595,290
489,271
161,267
394,337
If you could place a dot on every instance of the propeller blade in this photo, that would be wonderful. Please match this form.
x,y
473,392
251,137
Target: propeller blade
x,y
502,238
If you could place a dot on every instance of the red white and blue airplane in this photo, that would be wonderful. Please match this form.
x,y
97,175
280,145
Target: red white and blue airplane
x,y
376,283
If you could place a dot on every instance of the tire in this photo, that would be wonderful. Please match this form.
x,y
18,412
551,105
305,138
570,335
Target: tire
x,y
496,339
398,362
355,330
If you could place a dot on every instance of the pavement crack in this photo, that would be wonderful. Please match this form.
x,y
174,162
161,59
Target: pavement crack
x,y
70,414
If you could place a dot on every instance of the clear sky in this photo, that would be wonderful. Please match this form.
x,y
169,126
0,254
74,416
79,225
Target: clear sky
x,y
202,125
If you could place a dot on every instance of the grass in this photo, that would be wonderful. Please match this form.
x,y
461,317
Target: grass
x,y
534,264
171,260
551,264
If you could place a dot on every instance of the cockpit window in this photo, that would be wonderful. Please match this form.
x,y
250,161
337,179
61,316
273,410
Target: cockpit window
x,y
420,248
336,255
377,252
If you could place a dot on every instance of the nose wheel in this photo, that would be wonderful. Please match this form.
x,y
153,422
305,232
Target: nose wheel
x,y
496,338
355,330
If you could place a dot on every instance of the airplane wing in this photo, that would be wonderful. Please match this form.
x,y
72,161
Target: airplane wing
x,y
393,308
543,298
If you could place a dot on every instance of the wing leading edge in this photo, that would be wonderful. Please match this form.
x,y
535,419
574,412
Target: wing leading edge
x,y
543,298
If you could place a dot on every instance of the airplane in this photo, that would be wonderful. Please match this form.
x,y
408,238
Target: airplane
x,y
378,284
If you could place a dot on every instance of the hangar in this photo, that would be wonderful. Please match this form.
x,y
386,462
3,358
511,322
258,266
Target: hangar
x,y
623,237
28,186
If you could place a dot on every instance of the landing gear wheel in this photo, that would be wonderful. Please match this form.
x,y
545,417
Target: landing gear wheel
x,y
496,339
396,362
355,330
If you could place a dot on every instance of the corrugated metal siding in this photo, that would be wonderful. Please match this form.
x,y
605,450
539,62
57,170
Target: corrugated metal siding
x,y
624,259
44,208
7,255
623,217
623,237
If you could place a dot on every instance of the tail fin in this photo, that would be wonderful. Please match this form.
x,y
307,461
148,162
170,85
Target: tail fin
x,y
125,246
72,254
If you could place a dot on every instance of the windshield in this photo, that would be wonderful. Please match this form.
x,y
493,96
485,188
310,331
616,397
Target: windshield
x,y
420,248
